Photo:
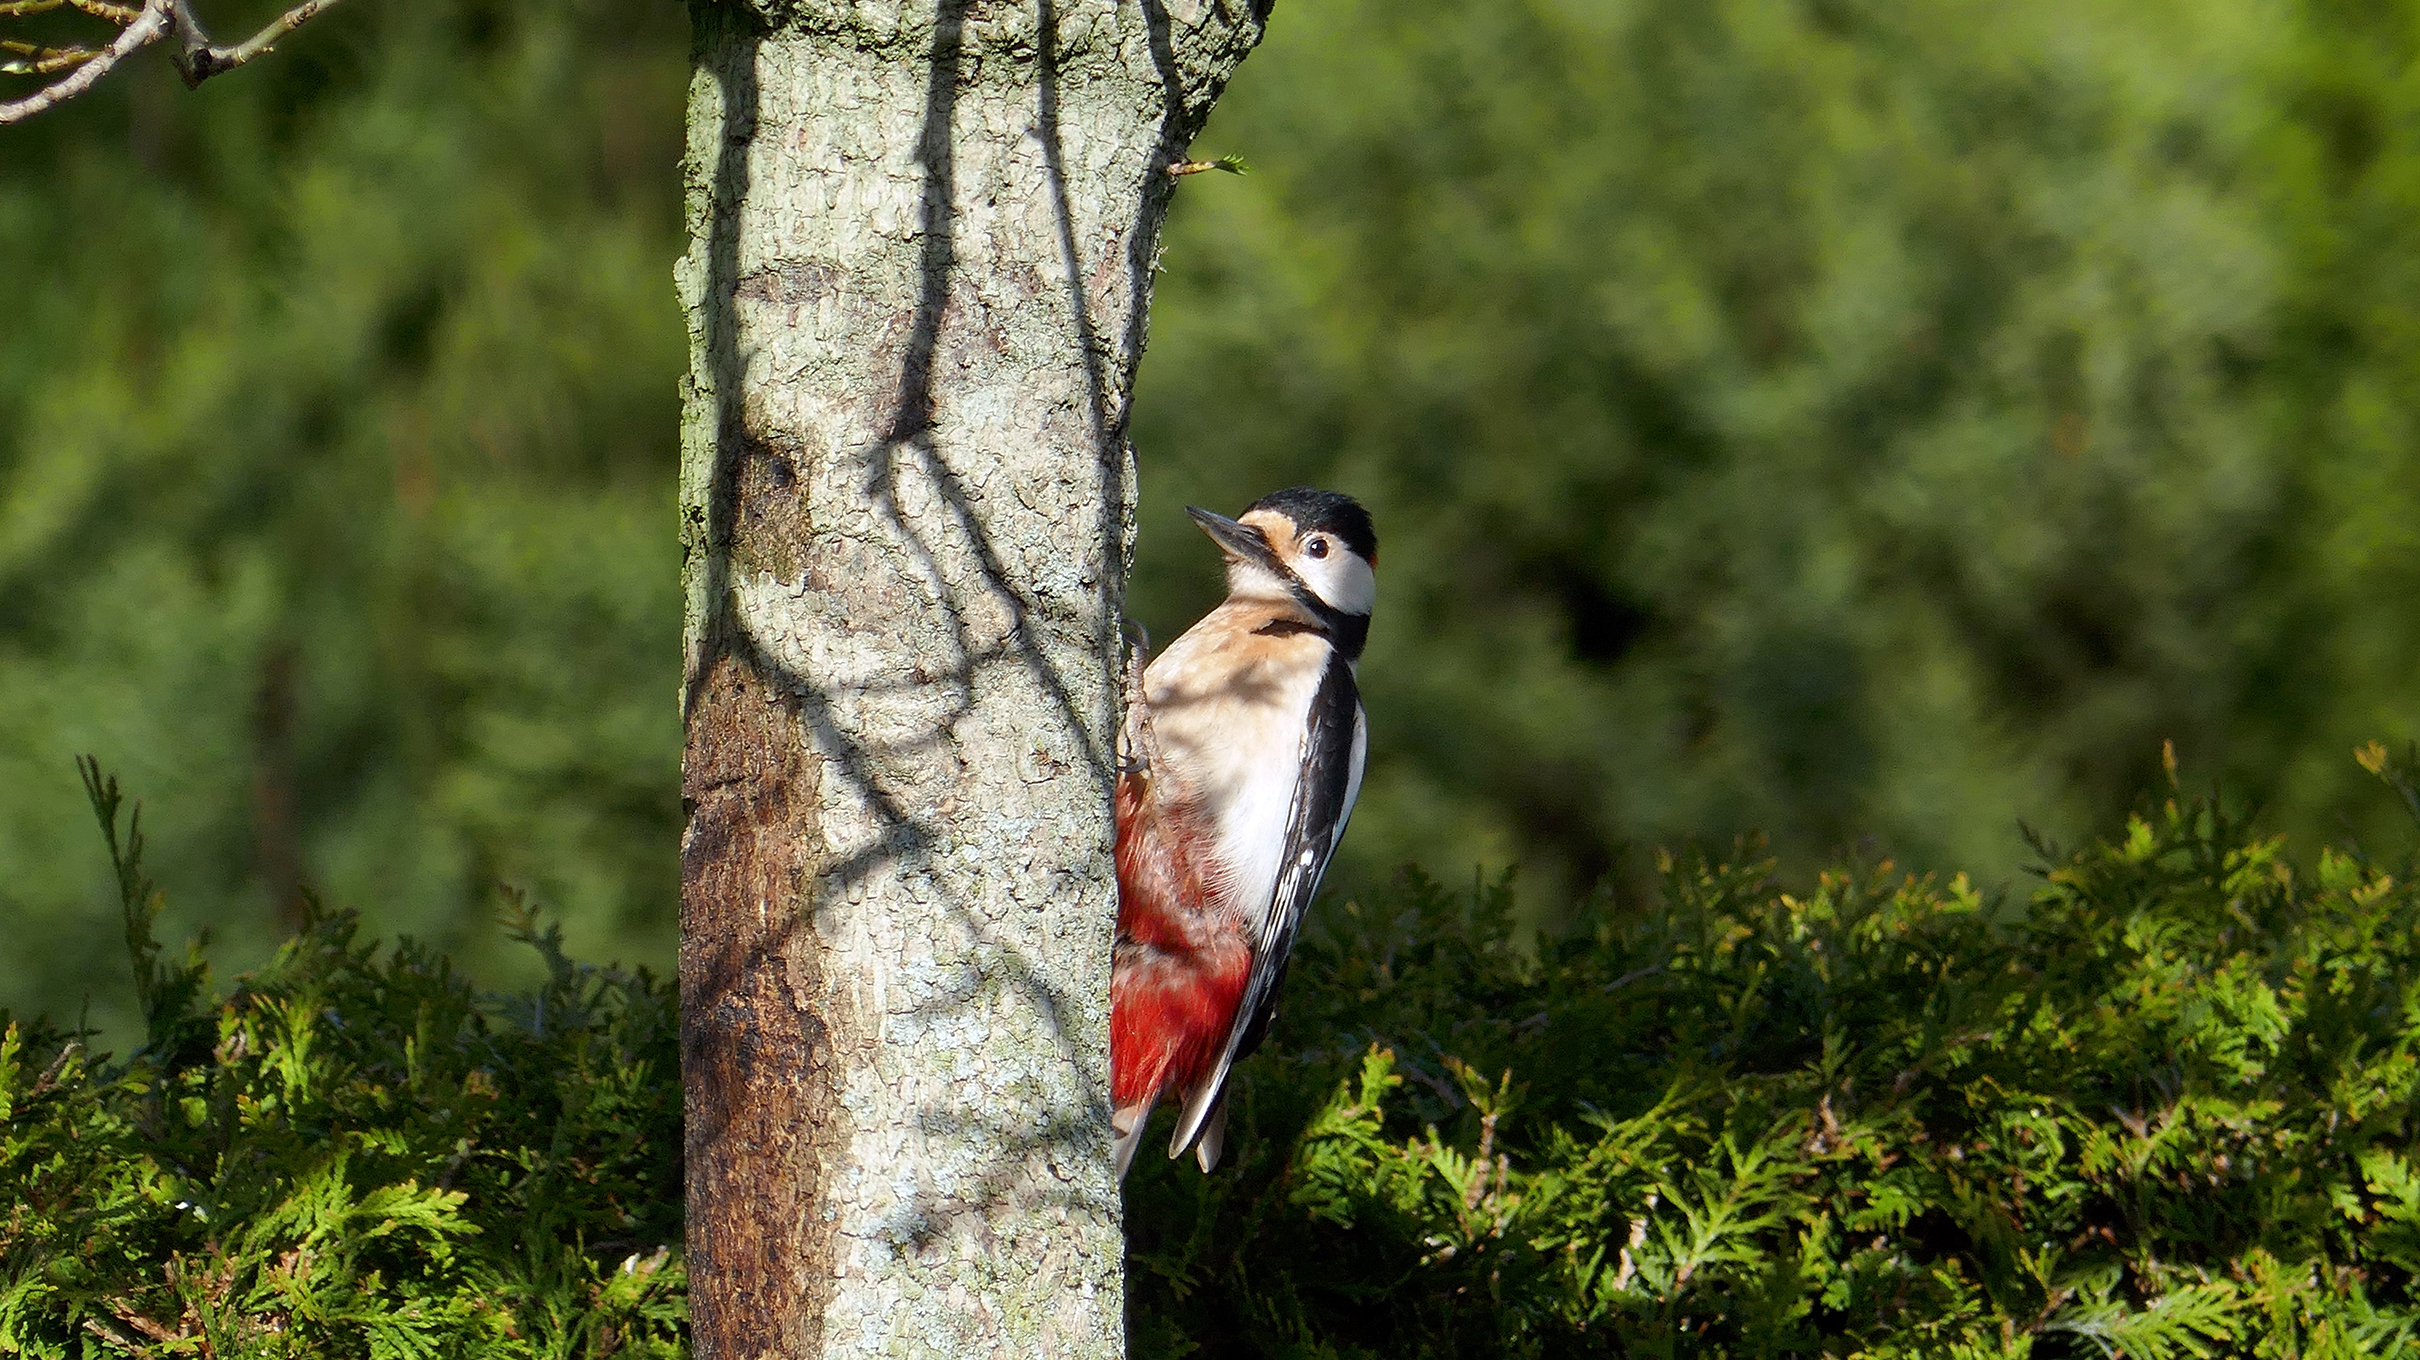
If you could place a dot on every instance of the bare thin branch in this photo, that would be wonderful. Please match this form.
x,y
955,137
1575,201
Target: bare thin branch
x,y
121,15
191,37
202,59
147,27
21,9
33,60
189,31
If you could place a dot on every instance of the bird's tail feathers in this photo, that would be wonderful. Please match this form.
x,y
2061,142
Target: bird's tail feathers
x,y
1206,1099
1213,1141
1128,1125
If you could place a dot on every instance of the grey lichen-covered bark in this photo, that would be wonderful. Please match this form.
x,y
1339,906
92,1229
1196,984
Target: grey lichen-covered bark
x,y
922,238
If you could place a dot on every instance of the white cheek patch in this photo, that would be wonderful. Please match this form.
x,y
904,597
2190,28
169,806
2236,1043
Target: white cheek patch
x,y
1341,580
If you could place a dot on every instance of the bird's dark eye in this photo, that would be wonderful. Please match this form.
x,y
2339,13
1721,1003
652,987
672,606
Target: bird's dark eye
x,y
1317,547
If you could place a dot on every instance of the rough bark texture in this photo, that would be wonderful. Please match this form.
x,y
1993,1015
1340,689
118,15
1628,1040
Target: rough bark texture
x,y
922,240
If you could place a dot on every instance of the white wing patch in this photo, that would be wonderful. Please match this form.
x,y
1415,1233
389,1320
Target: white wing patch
x,y
1352,784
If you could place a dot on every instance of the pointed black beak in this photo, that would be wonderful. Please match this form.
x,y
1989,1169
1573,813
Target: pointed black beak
x,y
1240,540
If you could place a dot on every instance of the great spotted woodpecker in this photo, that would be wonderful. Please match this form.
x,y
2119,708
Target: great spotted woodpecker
x,y
1244,744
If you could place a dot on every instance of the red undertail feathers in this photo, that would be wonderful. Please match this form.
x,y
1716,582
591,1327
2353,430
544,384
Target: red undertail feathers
x,y
1180,969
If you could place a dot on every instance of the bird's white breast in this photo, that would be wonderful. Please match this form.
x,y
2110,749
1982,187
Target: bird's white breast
x,y
1230,710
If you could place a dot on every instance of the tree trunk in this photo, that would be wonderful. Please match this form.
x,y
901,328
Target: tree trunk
x,y
921,252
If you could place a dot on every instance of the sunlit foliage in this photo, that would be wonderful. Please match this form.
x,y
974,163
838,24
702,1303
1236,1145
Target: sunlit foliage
x,y
1823,417
2165,1105
352,1153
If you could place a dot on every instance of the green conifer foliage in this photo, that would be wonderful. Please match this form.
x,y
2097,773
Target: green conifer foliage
x,y
1830,418
352,1153
2166,1106
1823,417
337,426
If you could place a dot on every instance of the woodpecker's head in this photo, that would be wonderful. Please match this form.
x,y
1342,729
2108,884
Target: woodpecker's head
x,y
1316,547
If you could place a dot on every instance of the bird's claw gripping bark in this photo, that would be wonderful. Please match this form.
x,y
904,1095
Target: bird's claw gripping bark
x,y
1138,751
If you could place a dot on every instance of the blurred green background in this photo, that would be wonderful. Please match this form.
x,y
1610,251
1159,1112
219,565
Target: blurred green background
x,y
1874,423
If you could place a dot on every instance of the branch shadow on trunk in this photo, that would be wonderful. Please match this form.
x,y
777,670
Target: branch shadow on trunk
x,y
906,449
756,1053
1107,426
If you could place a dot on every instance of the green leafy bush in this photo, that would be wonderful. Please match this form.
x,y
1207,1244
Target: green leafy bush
x,y
347,1155
2165,1107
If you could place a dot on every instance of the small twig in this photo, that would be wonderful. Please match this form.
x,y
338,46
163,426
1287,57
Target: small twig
x,y
24,9
1628,1264
43,60
202,59
150,1327
147,27
115,1335
1487,1144
50,1074
120,15
1632,976
1233,165
2057,1297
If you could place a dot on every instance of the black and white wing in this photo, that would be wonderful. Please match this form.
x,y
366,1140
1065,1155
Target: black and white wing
x,y
1335,747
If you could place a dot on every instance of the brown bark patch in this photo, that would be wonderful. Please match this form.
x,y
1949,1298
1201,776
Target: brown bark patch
x,y
768,509
758,1077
